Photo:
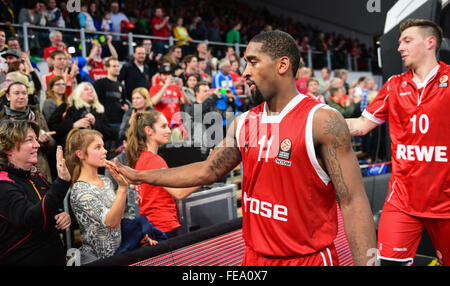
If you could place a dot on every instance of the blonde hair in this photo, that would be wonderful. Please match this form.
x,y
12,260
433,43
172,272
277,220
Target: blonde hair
x,y
19,77
136,136
75,100
145,94
78,139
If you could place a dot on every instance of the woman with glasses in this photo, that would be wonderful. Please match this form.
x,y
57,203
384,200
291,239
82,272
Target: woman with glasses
x,y
56,94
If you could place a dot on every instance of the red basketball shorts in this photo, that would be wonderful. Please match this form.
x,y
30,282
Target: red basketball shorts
x,y
326,257
399,235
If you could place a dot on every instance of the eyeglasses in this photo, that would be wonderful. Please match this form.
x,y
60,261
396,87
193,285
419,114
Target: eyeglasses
x,y
60,84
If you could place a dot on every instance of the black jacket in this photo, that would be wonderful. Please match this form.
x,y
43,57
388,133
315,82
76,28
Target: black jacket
x,y
28,205
62,124
133,77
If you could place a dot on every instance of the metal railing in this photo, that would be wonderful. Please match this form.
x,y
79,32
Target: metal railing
x,y
82,37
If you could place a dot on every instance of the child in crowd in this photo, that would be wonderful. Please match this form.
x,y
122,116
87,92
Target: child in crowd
x,y
97,208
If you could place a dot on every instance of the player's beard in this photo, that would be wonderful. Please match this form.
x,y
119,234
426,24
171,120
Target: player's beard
x,y
257,97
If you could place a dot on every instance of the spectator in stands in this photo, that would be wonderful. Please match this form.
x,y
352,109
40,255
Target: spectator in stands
x,y
19,109
3,46
18,76
238,80
191,67
7,16
229,53
113,96
203,53
116,18
358,85
198,30
81,75
203,70
56,95
59,59
135,73
188,88
303,75
97,207
321,46
149,130
304,46
368,86
29,231
96,15
324,81
160,28
57,43
167,98
229,101
141,102
233,35
54,15
85,19
368,94
83,111
214,34
13,43
346,106
151,59
8,57
175,55
156,78
343,75
3,63
11,56
107,24
31,14
96,61
205,102
182,36
313,90
222,78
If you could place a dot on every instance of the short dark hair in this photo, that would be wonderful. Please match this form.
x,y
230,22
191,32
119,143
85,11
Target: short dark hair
x,y
431,27
199,84
279,44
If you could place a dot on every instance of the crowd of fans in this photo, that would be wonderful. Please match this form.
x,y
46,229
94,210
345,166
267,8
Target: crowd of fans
x,y
181,82
187,20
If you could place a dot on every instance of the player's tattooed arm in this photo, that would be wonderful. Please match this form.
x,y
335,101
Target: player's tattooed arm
x,y
226,156
360,126
332,140
339,137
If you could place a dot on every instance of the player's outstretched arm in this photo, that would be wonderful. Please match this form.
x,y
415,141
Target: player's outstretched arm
x,y
360,126
224,158
332,137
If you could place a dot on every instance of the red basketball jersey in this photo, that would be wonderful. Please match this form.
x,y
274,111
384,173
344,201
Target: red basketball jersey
x,y
289,203
420,133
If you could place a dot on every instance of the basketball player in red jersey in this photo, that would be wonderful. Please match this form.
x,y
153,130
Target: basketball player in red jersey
x,y
296,156
417,106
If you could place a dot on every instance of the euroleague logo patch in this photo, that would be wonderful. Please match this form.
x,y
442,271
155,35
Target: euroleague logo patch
x,y
284,154
443,81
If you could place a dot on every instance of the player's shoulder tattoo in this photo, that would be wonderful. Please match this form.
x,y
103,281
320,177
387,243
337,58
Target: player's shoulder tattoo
x,y
338,136
336,126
